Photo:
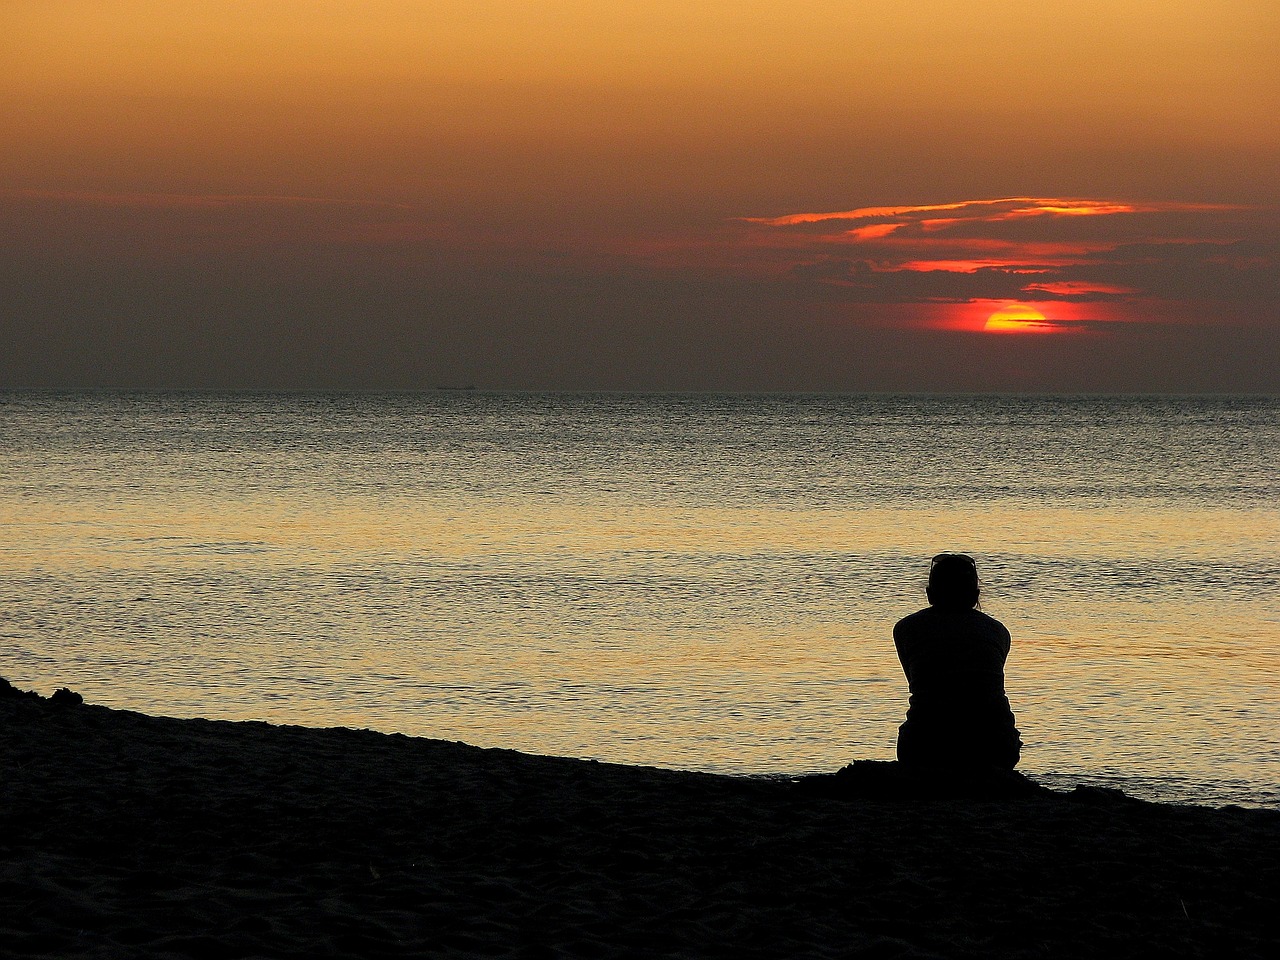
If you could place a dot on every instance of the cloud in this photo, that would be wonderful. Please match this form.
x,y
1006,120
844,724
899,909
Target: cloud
x,y
1079,288
1008,208
1069,324
1073,250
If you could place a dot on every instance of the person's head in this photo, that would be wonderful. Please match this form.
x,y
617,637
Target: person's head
x,y
953,581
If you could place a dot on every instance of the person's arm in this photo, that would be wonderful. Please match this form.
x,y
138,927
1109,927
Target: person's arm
x,y
902,643
1006,641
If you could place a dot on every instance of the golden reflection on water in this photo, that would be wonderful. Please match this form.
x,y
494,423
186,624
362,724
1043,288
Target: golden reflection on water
x,y
457,529
729,638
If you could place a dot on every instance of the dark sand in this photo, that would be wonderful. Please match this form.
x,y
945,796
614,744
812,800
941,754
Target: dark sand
x,y
133,836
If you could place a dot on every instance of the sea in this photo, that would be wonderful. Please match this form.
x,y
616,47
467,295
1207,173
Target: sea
x,y
693,581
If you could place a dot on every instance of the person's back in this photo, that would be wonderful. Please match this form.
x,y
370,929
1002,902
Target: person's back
x,y
953,656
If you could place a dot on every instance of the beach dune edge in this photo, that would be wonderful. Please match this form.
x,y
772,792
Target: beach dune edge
x,y
128,834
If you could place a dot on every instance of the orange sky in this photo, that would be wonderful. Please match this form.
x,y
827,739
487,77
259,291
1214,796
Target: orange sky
x,y
625,172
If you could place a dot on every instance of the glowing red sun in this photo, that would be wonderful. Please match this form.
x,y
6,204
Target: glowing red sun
x,y
1017,318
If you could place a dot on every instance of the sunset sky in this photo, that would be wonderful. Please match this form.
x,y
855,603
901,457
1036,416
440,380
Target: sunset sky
x,y
727,194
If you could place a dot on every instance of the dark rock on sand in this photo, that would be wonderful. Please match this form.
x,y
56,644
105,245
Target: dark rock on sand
x,y
9,692
62,697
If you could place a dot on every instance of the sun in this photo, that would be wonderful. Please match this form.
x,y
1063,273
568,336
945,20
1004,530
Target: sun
x,y
1017,318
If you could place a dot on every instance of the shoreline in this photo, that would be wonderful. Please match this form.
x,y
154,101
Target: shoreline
x,y
150,836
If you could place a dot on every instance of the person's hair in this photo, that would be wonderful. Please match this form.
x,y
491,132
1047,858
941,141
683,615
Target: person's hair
x,y
953,581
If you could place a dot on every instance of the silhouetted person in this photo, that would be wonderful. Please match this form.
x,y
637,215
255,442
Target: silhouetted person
x,y
953,656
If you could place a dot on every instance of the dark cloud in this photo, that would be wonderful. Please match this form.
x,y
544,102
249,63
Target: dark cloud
x,y
1246,271
321,296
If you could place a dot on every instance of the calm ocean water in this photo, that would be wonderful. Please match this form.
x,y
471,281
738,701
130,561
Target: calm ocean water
x,y
704,582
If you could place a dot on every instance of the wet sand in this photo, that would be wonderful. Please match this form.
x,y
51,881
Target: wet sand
x,y
138,836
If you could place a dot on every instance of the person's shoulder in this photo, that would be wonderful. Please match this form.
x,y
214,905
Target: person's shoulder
x,y
918,617
912,623
991,624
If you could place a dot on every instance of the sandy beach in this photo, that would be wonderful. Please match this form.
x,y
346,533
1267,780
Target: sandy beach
x,y
131,835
